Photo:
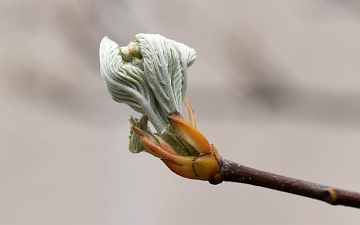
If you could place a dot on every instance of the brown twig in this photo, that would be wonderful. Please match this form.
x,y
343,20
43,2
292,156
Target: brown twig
x,y
234,172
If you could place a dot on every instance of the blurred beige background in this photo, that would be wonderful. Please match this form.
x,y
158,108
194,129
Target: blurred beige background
x,y
276,86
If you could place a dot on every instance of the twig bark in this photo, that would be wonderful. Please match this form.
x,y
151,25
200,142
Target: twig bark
x,y
234,172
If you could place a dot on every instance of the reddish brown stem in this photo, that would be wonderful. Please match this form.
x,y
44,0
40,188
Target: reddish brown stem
x,y
234,172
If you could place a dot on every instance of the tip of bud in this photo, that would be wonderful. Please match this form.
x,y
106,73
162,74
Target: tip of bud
x,y
129,52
